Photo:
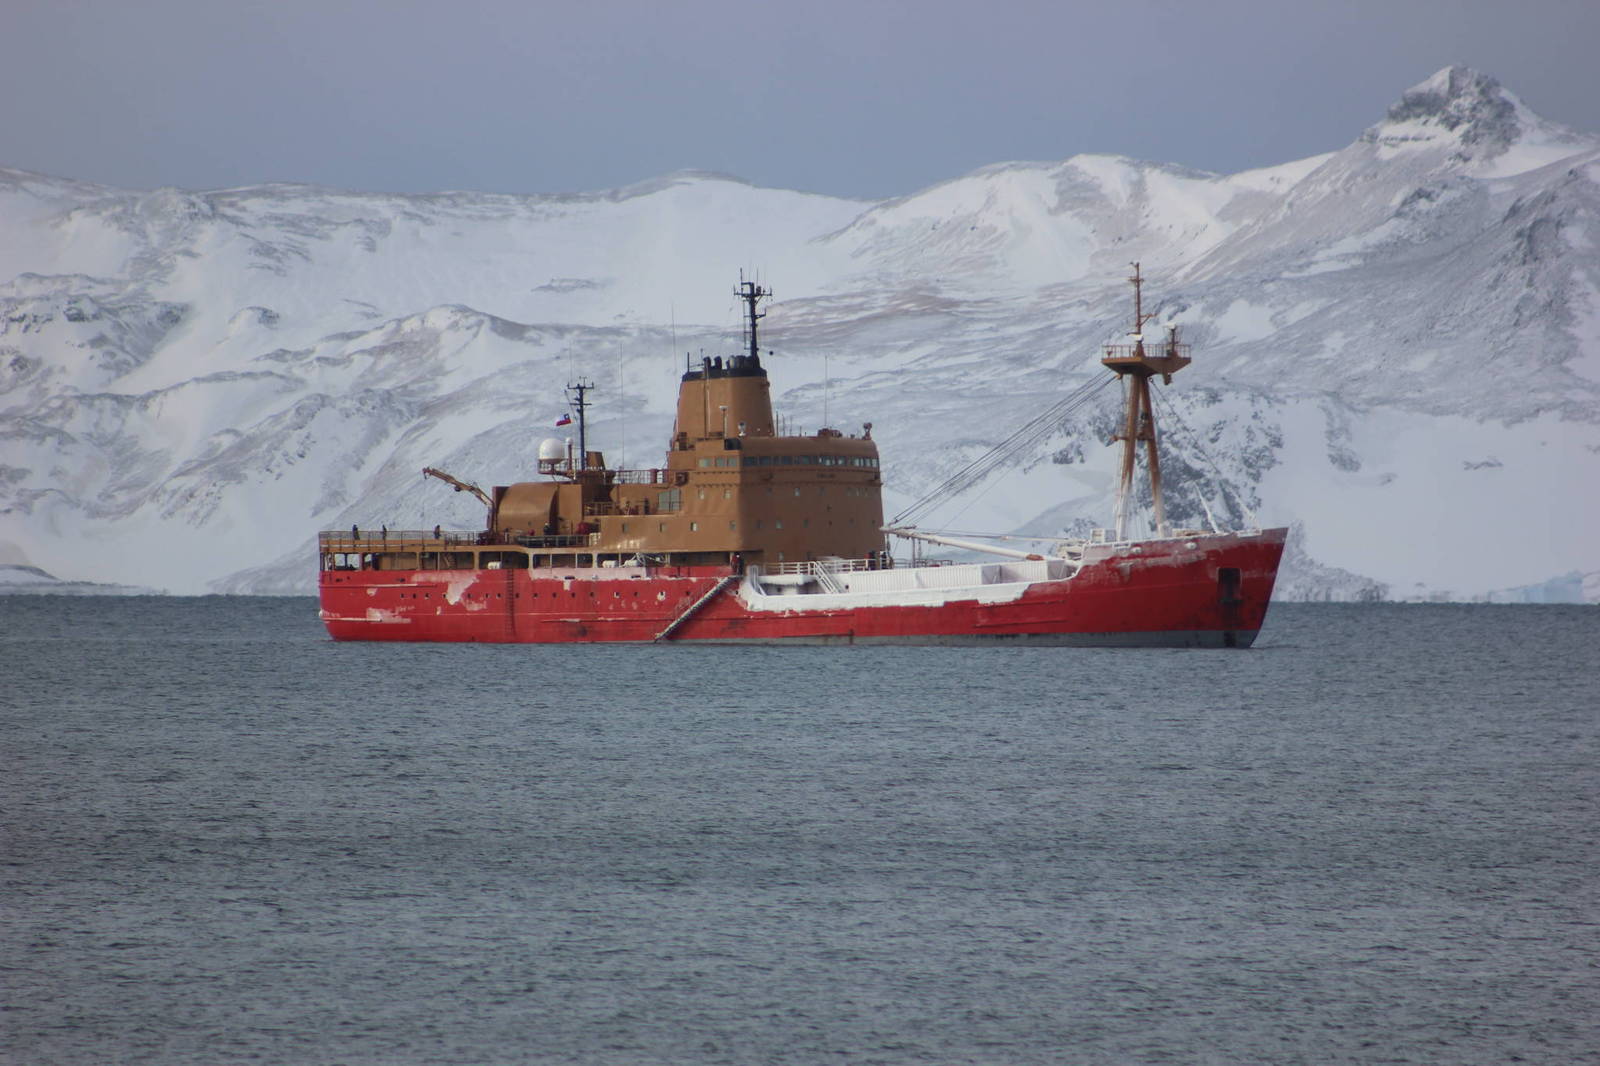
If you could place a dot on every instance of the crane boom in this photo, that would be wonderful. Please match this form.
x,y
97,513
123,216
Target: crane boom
x,y
458,485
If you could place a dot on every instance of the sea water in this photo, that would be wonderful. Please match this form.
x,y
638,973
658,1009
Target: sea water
x,y
1374,837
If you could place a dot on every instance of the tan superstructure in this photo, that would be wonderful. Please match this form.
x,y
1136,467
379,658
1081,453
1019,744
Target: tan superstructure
x,y
732,491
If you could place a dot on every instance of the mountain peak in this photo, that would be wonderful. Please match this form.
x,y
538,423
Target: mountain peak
x,y
1458,104
1469,115
1461,100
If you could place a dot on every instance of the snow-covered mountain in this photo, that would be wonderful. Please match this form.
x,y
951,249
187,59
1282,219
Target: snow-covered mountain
x,y
1397,350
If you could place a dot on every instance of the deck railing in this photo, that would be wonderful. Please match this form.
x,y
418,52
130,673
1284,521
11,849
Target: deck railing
x,y
832,566
639,477
1153,350
362,541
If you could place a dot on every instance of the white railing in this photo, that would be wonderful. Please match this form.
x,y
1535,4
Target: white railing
x,y
828,566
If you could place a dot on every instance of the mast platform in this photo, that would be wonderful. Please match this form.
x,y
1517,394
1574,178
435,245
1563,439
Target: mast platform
x,y
1136,359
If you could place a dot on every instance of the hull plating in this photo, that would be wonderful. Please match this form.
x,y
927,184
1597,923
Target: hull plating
x,y
1207,591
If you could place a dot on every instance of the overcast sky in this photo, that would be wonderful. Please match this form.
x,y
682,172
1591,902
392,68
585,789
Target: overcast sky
x,y
866,98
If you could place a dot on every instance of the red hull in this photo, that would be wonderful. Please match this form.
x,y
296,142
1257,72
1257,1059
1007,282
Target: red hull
x,y
1206,591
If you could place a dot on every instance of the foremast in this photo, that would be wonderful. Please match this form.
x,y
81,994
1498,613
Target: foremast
x,y
1135,365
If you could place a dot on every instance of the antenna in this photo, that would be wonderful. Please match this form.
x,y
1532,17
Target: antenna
x,y
751,294
1139,317
576,392
825,382
622,405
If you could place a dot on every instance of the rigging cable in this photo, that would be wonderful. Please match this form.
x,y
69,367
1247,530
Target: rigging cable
x,y
1029,435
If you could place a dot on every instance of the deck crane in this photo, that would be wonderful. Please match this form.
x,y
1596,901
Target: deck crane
x,y
458,485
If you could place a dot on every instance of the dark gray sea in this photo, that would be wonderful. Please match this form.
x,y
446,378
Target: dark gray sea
x,y
1373,838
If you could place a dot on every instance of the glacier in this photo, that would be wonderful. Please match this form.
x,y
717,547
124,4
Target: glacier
x,y
1397,350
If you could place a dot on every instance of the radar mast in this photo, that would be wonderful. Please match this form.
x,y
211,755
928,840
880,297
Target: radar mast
x,y
752,294
577,393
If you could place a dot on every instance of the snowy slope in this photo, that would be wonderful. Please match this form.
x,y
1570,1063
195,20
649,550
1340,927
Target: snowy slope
x,y
1397,349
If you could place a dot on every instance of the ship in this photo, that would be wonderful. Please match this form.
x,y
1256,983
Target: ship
x,y
747,534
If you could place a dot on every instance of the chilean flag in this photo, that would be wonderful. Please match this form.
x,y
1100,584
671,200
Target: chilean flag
x,y
564,420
